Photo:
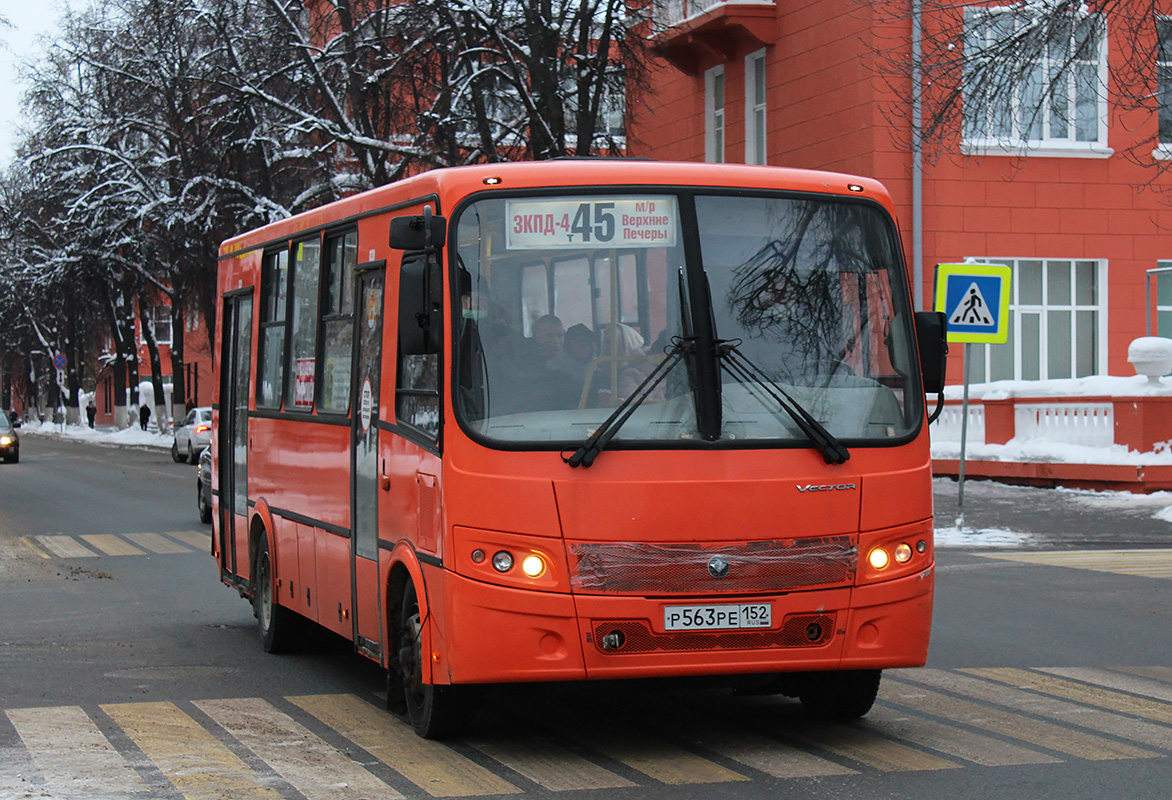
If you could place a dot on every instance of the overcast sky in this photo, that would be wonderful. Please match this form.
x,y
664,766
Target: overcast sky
x,y
29,18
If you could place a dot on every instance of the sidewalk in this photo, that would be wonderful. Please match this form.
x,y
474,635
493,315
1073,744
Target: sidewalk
x,y
128,437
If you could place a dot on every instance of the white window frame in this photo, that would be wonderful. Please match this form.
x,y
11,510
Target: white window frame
x,y
755,112
1163,149
1162,309
1045,145
1044,310
714,128
159,317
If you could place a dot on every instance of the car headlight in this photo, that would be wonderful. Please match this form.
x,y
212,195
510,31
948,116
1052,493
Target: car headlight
x,y
5,441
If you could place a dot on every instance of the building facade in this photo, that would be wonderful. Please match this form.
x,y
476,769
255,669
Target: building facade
x,y
1059,178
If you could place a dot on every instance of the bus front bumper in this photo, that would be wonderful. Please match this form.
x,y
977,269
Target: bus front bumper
x,y
513,635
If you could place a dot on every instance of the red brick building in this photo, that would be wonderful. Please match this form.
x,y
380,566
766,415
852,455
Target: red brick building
x,y
1066,197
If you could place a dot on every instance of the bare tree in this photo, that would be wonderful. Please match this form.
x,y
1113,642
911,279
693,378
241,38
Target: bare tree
x,y
1017,72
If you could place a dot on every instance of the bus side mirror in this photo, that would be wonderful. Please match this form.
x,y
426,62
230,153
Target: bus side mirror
x,y
425,231
420,306
931,327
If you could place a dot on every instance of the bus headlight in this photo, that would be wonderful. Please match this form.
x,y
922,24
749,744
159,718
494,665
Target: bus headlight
x,y
879,558
502,561
903,552
533,565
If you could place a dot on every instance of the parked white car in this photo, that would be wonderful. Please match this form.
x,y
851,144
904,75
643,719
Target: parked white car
x,y
193,435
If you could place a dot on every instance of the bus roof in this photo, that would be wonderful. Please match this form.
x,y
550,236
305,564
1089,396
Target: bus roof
x,y
569,172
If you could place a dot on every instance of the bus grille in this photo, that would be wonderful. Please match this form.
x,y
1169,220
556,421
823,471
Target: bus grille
x,y
671,569
637,637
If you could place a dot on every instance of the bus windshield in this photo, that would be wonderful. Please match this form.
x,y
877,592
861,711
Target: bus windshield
x,y
569,301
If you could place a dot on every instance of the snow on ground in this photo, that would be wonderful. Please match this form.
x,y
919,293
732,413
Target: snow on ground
x,y
133,437
952,536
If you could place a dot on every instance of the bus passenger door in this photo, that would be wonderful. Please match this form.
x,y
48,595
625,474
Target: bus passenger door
x,y
233,433
365,482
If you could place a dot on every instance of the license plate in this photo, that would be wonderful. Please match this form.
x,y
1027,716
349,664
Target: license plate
x,y
702,618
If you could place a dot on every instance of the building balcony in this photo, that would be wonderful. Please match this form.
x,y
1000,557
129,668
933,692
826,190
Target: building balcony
x,y
695,30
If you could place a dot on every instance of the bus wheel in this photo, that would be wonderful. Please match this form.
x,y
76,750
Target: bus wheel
x,y
840,696
436,712
277,623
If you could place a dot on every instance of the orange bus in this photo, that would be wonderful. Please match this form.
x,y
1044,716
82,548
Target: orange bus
x,y
582,419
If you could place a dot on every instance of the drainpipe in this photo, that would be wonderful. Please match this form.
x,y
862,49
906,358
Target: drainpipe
x,y
917,162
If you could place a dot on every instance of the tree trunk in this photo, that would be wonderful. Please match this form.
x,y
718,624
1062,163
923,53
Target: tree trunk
x,y
148,334
178,377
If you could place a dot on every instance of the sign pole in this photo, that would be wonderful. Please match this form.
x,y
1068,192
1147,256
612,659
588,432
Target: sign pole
x,y
964,429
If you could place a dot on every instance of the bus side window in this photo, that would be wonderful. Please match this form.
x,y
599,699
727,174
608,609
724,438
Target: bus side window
x,y
273,323
417,396
337,321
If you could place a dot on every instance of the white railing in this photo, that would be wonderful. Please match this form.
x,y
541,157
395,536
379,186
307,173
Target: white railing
x,y
1091,424
946,428
673,12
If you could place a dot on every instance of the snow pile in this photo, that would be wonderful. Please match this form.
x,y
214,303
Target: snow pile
x,y
1091,386
133,436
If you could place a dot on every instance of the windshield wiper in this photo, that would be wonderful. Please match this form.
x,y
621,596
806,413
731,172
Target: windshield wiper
x,y
588,451
739,366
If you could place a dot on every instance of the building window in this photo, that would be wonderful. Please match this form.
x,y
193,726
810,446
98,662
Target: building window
x,y
1164,77
714,115
1057,323
1035,81
159,318
755,108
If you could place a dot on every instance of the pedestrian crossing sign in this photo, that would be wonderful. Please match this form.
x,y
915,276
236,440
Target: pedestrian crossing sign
x,y
975,301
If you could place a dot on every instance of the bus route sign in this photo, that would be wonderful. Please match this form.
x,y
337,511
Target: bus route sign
x,y
975,301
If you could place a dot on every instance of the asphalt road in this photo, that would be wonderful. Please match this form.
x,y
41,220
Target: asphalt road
x,y
138,675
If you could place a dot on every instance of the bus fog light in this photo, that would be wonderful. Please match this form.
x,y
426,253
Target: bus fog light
x,y
478,556
903,552
502,561
921,546
533,566
879,558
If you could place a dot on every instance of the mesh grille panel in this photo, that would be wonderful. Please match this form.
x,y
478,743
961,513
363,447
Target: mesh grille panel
x,y
639,638
643,568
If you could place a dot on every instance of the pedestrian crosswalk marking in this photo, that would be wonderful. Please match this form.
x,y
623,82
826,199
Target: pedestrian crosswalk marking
x,y
961,743
94,545
1147,563
312,766
200,766
1145,733
1080,692
64,546
321,747
111,545
74,757
1042,734
432,766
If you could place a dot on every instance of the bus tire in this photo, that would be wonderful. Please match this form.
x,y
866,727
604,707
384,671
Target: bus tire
x,y
840,696
277,624
436,712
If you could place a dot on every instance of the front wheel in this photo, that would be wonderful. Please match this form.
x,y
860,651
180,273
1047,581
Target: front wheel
x,y
278,625
205,506
175,452
840,696
436,712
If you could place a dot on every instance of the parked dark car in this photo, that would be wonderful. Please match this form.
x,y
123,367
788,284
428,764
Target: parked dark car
x,y
9,441
203,485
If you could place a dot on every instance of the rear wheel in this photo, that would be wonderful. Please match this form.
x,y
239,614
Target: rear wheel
x,y
192,457
840,696
436,712
278,625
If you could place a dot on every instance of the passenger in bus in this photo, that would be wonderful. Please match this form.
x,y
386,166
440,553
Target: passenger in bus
x,y
548,337
621,367
578,351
